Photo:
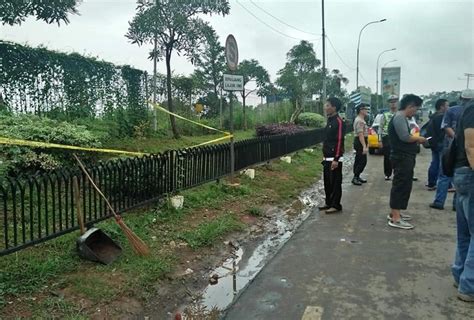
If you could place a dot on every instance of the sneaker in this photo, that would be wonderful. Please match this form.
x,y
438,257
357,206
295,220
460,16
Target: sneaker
x,y
323,208
415,179
387,178
452,190
356,182
362,180
465,297
333,210
401,224
404,217
437,206
431,188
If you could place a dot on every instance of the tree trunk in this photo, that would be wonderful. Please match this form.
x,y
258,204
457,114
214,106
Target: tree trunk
x,y
170,97
297,112
243,106
155,115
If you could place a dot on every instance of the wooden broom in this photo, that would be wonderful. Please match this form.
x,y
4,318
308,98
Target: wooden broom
x,y
138,245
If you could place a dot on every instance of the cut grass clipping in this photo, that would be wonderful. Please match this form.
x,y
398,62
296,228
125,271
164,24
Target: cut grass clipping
x,y
206,233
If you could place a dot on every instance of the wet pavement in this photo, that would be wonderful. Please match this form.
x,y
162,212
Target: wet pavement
x,y
353,266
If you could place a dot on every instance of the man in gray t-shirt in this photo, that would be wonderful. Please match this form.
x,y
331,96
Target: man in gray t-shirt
x,y
404,147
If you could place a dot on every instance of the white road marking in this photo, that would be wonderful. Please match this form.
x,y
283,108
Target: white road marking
x,y
312,313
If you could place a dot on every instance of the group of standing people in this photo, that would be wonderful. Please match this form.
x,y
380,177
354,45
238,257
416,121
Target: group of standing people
x,y
452,132
452,128
400,146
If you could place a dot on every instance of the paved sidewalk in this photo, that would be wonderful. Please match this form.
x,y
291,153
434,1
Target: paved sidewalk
x,y
353,266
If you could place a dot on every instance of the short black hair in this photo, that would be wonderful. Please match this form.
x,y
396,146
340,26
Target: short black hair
x,y
361,106
410,99
335,102
440,103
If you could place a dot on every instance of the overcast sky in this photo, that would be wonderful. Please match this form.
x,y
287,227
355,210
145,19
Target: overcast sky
x,y
434,39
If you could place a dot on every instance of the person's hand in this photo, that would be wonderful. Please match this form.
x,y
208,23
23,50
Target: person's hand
x,y
334,165
365,150
421,140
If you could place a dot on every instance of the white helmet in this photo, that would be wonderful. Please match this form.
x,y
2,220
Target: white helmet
x,y
392,97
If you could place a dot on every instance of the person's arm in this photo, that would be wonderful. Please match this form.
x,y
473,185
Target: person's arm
x,y
468,126
446,124
402,128
469,144
380,131
450,132
338,154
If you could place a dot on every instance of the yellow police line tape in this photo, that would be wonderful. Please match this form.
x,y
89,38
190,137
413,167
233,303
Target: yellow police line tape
x,y
158,107
48,145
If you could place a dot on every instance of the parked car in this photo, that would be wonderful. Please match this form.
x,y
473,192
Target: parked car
x,y
373,139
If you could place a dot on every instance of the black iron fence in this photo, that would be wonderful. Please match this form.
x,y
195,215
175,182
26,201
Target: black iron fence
x,y
41,207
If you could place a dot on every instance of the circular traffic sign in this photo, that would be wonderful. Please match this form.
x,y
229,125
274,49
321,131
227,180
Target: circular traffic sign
x,y
231,52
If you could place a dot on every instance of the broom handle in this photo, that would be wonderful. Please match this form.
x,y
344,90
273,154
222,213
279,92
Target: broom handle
x,y
77,200
95,186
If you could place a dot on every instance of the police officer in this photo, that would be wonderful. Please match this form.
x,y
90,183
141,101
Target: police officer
x,y
383,135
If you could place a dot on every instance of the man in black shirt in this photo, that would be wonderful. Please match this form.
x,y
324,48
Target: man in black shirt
x,y
463,266
333,149
436,142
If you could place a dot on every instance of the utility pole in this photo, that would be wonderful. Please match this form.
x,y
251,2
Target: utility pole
x,y
323,100
220,110
468,75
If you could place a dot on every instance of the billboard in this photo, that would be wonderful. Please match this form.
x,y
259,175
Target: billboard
x,y
390,82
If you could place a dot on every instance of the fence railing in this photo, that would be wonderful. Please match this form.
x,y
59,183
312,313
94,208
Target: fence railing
x,y
41,207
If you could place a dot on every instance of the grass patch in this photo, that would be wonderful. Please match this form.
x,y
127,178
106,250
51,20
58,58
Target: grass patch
x,y
207,232
94,286
160,144
255,211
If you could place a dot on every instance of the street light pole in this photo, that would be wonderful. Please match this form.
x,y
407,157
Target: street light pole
x,y
358,45
377,75
389,62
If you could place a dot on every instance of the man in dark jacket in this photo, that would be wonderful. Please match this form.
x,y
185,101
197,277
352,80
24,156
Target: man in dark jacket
x,y
333,149
436,142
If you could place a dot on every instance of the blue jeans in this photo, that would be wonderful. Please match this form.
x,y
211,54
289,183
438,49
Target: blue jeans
x,y
433,171
463,267
444,183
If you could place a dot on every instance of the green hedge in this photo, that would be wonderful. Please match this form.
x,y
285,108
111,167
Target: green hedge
x,y
310,119
15,160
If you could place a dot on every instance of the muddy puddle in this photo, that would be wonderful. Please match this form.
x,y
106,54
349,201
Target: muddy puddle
x,y
245,261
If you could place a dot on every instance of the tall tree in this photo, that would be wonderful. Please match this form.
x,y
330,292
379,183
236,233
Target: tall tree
x,y
172,26
16,11
300,77
251,70
210,61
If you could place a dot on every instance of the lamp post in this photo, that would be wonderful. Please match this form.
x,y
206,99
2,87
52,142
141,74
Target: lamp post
x,y
358,45
377,74
389,62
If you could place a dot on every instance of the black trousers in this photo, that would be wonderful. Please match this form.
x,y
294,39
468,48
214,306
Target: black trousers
x,y
360,160
387,163
333,185
403,169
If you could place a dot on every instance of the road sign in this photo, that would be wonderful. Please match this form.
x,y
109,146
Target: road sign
x,y
233,82
390,82
231,52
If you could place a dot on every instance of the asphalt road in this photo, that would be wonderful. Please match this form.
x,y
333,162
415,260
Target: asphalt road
x,y
353,266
